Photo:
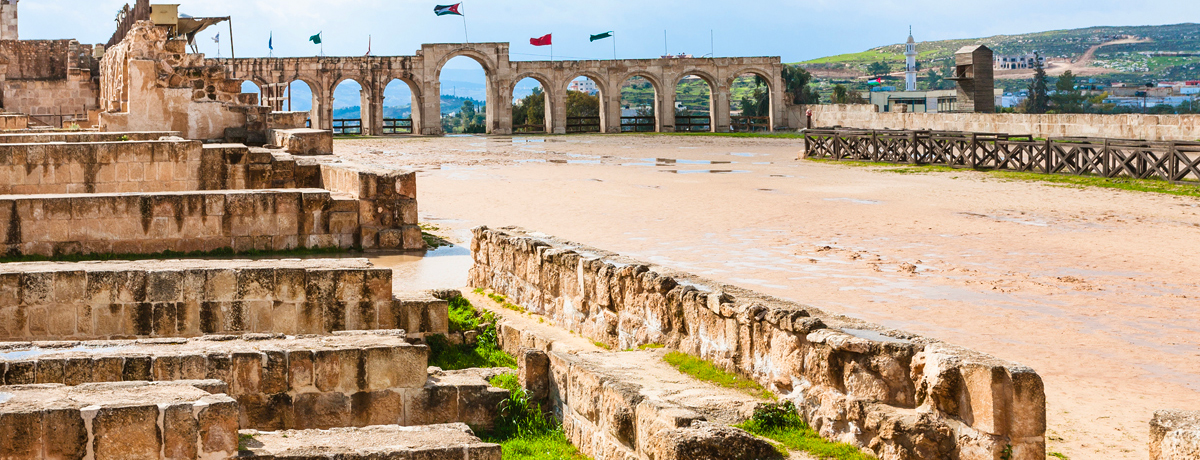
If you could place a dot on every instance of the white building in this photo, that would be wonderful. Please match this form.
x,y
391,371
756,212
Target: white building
x,y
910,63
584,86
1016,61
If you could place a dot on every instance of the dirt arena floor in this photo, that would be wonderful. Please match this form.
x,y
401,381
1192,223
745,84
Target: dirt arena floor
x,y
1096,289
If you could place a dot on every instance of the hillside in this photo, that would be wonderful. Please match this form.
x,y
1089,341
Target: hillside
x,y
1120,53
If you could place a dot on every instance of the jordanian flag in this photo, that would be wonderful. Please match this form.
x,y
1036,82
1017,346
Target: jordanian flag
x,y
602,36
443,10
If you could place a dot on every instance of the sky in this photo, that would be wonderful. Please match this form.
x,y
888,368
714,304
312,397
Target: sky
x,y
792,29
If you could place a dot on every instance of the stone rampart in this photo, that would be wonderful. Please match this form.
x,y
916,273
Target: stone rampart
x,y
118,421
104,167
1175,435
83,136
138,223
900,396
110,300
1126,126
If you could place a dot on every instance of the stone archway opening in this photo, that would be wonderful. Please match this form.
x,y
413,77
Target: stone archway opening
x,y
750,103
401,112
298,97
530,107
464,96
639,102
251,87
693,104
351,103
584,106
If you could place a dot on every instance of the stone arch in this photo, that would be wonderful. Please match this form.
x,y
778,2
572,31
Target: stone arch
x,y
489,67
768,79
314,89
416,103
716,94
601,87
365,104
656,83
550,101
491,83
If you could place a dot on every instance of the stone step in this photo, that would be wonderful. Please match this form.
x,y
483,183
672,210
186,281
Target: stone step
x,y
187,298
84,136
432,442
116,421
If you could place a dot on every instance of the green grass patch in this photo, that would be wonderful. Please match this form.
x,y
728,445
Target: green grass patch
x,y
1067,180
782,423
503,301
552,445
650,346
244,441
219,253
463,315
601,345
1058,455
746,135
523,431
707,371
485,352
432,240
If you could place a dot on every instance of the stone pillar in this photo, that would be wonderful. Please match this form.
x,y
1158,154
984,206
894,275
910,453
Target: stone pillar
x,y
417,109
322,114
556,112
779,116
431,118
665,109
718,108
610,111
373,115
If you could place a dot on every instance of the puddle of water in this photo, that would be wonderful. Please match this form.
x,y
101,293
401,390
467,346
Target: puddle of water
x,y
532,160
526,141
702,162
442,268
5,397
781,175
745,154
853,200
872,335
38,351
767,190
763,163
704,171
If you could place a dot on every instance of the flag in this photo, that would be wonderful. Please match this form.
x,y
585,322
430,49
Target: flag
x,y
544,40
217,38
316,39
271,41
442,10
602,36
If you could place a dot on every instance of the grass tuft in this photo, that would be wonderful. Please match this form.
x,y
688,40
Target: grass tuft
x,y
650,346
485,352
707,371
782,423
463,315
523,430
601,345
1058,455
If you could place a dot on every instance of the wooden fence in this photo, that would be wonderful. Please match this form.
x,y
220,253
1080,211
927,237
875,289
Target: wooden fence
x,y
583,124
1174,161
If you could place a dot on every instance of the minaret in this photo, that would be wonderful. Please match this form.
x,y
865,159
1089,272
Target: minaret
x,y
910,61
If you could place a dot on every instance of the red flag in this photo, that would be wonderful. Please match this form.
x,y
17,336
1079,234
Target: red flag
x,y
543,41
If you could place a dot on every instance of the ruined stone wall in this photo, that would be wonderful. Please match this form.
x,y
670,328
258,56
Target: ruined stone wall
x,y
123,420
1175,435
112,300
387,203
263,220
82,136
1128,126
899,395
106,167
45,77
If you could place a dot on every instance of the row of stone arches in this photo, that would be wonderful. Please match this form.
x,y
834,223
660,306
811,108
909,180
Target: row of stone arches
x,y
645,95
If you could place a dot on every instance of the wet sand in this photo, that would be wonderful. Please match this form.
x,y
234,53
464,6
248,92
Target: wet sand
x,y
1095,289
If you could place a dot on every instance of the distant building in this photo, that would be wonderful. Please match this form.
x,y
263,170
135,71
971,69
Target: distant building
x,y
939,101
910,63
1016,61
584,86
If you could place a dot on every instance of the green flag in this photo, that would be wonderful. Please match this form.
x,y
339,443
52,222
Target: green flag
x,y
602,36
316,39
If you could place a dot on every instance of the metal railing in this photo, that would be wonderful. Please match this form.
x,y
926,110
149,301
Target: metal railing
x,y
692,123
1175,161
583,124
347,126
749,124
397,126
639,124
535,128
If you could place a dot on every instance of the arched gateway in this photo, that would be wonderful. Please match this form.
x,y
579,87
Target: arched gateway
x,y
421,73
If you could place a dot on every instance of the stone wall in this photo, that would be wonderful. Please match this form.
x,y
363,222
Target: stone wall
x,y
106,167
48,77
1175,435
108,223
119,421
900,396
83,136
1130,126
112,300
387,203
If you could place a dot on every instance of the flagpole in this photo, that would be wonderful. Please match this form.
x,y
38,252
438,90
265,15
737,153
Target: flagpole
x,y
614,37
464,16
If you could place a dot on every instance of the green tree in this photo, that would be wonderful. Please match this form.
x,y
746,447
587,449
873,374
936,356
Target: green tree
x,y
1039,101
580,104
879,69
531,109
839,94
1066,98
796,84
934,80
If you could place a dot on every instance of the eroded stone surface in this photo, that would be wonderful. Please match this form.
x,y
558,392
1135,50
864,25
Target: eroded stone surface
x,y
1175,435
433,442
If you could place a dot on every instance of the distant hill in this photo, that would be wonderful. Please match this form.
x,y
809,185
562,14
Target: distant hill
x,y
1170,52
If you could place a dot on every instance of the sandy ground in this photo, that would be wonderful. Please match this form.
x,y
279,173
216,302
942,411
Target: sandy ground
x,y
1095,289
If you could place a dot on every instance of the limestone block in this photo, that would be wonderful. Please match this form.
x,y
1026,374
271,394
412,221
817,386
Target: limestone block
x,y
395,367
322,410
127,432
1175,435
436,402
534,373
305,141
